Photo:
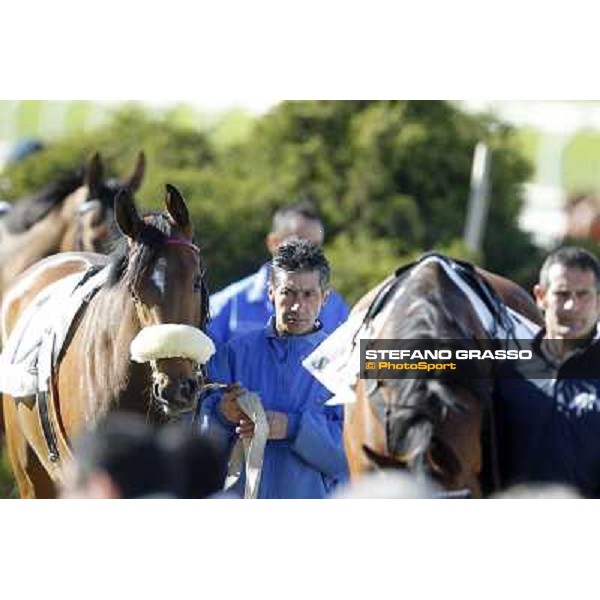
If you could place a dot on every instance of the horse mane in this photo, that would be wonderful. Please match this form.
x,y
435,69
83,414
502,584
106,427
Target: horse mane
x,y
128,265
29,210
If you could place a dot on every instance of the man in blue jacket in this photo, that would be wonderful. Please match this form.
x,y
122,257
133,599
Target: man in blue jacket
x,y
304,455
245,305
548,409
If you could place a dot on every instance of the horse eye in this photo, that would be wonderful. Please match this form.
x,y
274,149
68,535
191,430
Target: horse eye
x,y
197,283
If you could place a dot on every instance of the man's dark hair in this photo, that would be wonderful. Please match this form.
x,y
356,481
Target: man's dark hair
x,y
284,216
300,256
196,468
571,257
125,447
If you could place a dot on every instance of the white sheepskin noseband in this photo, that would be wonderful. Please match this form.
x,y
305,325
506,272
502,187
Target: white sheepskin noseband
x,y
171,341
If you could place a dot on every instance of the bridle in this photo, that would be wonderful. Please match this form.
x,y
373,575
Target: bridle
x,y
83,209
379,399
198,370
111,233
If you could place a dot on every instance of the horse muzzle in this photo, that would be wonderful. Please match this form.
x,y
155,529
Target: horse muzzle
x,y
175,353
175,396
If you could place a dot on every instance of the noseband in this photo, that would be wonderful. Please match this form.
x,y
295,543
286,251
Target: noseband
x,y
198,371
380,402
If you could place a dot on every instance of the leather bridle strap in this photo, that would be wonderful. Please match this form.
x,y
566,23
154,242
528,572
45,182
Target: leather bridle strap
x,y
181,242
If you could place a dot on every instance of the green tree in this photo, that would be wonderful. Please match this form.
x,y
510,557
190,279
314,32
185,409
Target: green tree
x,y
391,178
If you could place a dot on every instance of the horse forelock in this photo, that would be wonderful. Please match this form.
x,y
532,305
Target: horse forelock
x,y
131,262
107,193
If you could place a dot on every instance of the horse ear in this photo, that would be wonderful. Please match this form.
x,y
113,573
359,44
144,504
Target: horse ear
x,y
126,214
134,181
94,174
177,209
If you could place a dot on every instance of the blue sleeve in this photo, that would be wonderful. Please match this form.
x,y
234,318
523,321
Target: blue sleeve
x,y
316,436
218,326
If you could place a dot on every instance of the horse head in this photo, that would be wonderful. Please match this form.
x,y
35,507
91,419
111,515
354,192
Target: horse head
x,y
428,423
164,277
91,224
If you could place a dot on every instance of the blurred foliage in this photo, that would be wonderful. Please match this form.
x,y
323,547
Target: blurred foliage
x,y
589,244
528,140
167,145
391,179
234,127
581,164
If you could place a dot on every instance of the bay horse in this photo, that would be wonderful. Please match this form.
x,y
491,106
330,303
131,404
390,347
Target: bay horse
x,y
155,278
74,213
436,424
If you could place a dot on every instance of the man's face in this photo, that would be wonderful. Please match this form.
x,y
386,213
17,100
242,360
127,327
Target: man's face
x,y
571,303
298,299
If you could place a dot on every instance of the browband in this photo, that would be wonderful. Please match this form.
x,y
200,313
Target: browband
x,y
180,242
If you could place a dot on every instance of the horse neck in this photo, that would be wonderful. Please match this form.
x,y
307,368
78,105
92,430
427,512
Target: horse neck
x,y
22,250
437,304
43,238
108,327
68,214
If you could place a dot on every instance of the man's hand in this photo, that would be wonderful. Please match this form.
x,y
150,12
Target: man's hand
x,y
278,424
245,429
229,406
231,410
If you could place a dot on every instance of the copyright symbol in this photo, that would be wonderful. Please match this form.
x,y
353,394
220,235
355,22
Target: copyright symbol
x,y
370,365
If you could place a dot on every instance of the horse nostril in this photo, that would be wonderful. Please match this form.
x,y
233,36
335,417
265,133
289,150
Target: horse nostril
x,y
188,387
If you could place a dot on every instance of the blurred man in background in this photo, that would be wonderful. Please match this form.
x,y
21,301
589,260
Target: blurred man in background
x,y
23,149
195,470
126,457
120,458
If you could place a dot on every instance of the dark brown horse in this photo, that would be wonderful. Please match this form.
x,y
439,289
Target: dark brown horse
x,y
432,424
74,213
156,278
